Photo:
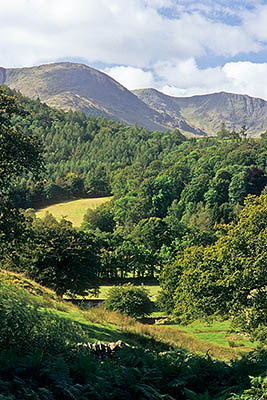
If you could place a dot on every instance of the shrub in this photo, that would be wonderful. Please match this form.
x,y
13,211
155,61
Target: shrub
x,y
26,326
130,300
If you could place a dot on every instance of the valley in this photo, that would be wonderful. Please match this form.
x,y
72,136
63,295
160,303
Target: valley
x,y
186,217
133,200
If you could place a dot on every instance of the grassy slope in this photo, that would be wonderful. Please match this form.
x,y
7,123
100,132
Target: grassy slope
x,y
217,332
109,326
74,210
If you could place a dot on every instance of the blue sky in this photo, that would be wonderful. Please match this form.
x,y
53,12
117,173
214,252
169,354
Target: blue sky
x,y
180,47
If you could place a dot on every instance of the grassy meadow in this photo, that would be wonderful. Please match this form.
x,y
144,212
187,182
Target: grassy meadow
x,y
74,210
106,326
214,339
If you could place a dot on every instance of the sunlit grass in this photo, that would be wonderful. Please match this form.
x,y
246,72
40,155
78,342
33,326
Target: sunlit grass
x,y
100,324
104,289
74,210
217,332
214,339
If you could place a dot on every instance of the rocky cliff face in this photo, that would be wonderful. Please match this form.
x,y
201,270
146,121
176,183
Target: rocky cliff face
x,y
2,75
207,112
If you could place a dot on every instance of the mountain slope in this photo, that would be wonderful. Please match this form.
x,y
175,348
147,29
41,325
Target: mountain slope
x,y
79,87
207,112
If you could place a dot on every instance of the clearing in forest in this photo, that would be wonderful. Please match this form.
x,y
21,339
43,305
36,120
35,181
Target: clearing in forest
x,y
74,210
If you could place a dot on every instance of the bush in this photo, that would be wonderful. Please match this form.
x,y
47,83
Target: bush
x,y
26,326
129,299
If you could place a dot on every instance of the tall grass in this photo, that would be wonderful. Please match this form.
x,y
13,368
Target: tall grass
x,y
164,335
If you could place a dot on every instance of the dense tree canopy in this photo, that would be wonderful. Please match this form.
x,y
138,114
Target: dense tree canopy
x,y
19,153
208,178
60,257
228,278
54,254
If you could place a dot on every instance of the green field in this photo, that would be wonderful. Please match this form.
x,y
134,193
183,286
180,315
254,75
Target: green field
x,y
198,336
219,333
73,211
106,326
152,291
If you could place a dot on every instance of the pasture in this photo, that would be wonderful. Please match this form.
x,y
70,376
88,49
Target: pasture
x,y
152,291
216,337
72,211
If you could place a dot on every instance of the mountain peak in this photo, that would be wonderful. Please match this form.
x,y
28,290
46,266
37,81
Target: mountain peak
x,y
76,86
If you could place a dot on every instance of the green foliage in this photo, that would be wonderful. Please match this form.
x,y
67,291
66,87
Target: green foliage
x,y
40,359
223,132
257,391
101,218
130,300
132,373
25,326
19,153
227,278
58,256
146,171
152,232
160,178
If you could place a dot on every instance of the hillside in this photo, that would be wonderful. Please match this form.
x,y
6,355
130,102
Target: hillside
x,y
170,193
73,211
207,112
106,326
48,351
81,88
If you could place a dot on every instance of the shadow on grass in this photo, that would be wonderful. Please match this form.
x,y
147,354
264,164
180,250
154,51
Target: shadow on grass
x,y
106,334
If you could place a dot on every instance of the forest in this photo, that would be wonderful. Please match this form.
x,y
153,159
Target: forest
x,y
190,214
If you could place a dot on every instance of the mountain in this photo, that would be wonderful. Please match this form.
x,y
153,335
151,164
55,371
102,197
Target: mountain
x,y
78,87
207,112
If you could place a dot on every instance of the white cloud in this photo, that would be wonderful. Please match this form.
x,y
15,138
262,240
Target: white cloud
x,y
132,78
185,73
114,32
255,23
247,77
186,79
144,47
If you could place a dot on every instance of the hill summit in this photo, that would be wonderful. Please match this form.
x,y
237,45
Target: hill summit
x,y
81,88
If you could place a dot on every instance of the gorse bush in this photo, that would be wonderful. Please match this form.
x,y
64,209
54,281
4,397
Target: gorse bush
x,y
130,300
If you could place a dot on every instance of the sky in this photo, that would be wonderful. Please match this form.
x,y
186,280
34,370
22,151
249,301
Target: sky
x,y
180,47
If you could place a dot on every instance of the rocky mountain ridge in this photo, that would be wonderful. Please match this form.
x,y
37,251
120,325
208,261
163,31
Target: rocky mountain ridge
x,y
79,87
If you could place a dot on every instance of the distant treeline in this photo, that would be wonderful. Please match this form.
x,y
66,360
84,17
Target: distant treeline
x,y
93,156
82,154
